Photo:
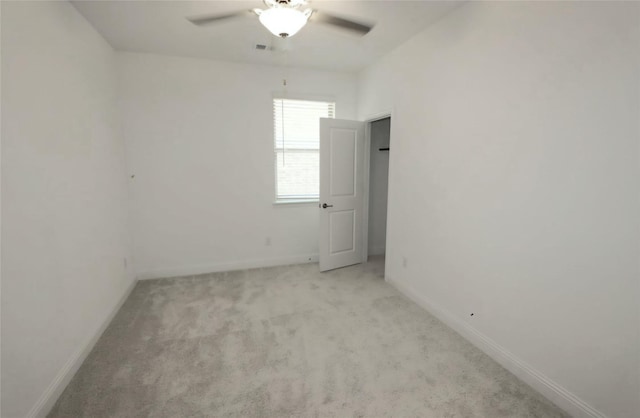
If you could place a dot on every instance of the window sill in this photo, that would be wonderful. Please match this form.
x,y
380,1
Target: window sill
x,y
300,202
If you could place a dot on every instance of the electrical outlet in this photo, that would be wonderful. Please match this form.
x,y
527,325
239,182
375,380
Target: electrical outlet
x,y
404,262
267,241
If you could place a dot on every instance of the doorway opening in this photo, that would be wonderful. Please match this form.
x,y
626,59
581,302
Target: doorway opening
x,y
379,150
354,170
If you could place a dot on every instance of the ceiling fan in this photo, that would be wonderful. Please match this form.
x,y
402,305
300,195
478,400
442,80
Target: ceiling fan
x,y
284,18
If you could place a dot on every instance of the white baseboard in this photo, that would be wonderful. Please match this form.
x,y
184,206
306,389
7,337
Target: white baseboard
x,y
547,387
55,389
215,267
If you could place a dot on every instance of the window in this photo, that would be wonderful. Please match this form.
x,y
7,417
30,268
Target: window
x,y
297,147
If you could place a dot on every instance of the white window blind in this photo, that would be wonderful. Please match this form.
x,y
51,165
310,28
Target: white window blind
x,y
297,147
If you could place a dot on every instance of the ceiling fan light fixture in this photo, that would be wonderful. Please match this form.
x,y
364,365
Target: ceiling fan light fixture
x,y
284,21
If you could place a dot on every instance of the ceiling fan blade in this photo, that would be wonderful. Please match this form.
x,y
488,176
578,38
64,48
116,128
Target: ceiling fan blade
x,y
329,19
201,20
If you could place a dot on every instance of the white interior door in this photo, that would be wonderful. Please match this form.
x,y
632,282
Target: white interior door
x,y
341,192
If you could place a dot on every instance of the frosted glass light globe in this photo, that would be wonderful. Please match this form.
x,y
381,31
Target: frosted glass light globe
x,y
284,22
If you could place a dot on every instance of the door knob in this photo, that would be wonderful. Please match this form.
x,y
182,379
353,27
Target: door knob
x,y
324,206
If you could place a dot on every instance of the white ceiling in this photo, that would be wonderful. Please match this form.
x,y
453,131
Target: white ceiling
x,y
160,27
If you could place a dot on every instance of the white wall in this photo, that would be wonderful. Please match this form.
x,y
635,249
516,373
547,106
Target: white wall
x,y
64,236
514,183
199,139
378,184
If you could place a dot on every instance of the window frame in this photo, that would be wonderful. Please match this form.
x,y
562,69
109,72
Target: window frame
x,y
287,96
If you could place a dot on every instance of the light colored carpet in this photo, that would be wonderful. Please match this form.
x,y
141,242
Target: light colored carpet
x,y
288,342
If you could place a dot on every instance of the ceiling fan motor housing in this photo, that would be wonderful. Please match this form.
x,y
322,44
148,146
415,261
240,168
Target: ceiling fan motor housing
x,y
292,3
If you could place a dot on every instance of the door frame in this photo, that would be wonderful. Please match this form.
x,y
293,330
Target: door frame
x,y
367,161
